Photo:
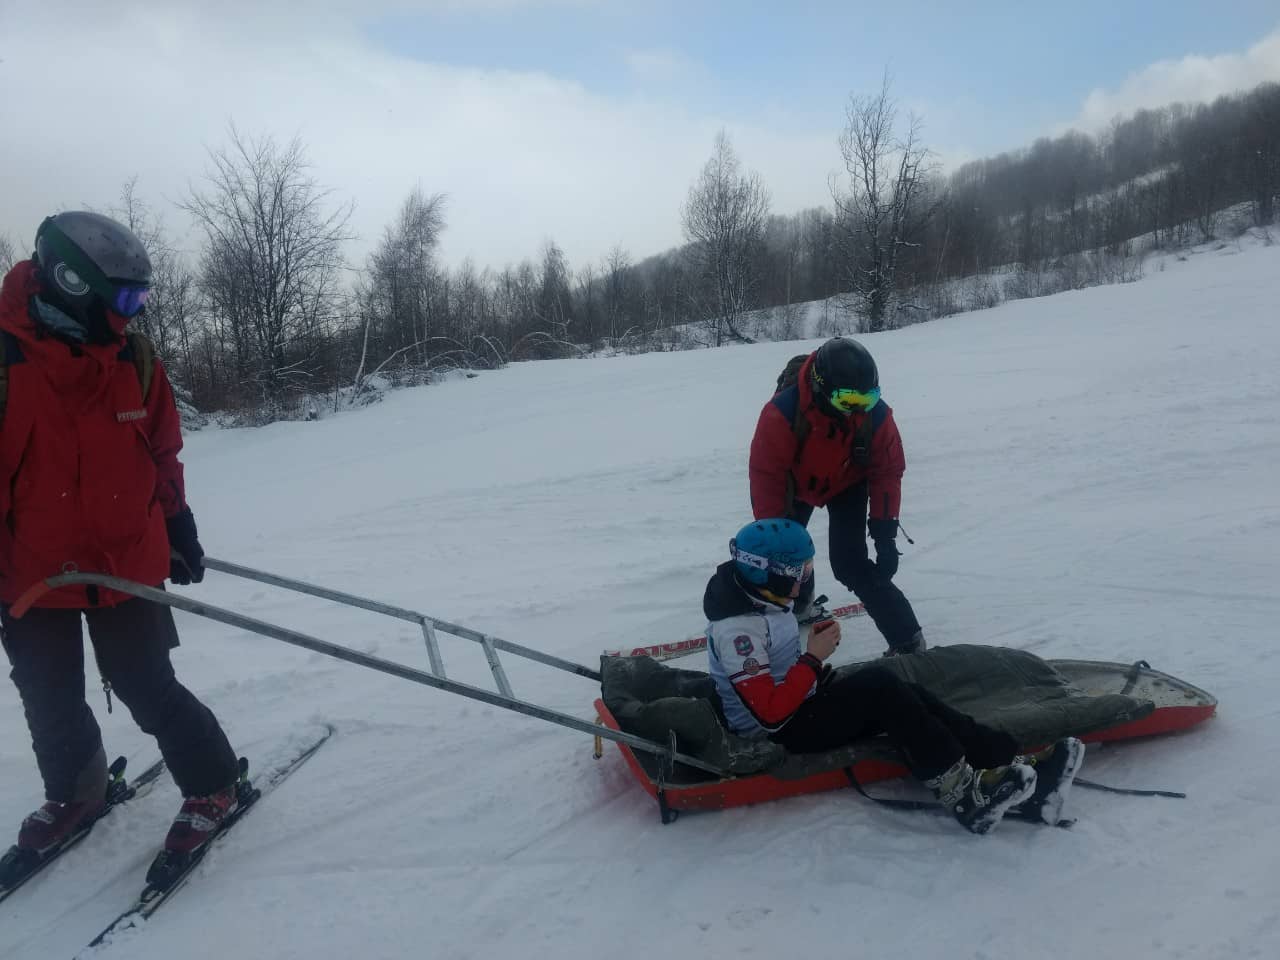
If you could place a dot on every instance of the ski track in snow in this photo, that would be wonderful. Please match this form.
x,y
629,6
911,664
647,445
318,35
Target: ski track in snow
x,y
1090,475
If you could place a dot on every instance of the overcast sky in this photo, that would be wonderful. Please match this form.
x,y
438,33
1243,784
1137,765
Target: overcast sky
x,y
579,120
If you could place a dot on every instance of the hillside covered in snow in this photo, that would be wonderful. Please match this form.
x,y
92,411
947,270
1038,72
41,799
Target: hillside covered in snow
x,y
1090,475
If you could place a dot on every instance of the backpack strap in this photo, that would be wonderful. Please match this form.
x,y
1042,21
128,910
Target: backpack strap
x,y
862,442
10,353
4,374
141,352
865,431
787,401
788,393
800,427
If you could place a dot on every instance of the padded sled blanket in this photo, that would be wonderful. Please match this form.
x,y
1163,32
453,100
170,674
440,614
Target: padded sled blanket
x,y
1011,690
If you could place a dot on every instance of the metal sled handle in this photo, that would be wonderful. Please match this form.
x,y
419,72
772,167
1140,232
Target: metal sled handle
x,y
316,645
412,616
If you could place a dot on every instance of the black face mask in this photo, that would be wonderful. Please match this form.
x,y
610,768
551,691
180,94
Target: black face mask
x,y
99,329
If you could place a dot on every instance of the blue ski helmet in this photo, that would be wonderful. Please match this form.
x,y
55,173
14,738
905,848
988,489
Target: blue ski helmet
x,y
772,555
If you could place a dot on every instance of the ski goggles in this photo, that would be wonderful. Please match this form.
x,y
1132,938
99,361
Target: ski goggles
x,y
853,401
795,571
129,301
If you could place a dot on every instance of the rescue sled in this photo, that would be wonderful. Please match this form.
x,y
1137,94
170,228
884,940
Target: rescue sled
x,y
1095,700
668,723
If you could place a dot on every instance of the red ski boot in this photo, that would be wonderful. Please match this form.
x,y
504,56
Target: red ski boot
x,y
196,824
43,835
55,823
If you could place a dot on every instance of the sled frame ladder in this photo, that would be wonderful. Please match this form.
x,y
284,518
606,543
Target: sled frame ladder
x,y
435,677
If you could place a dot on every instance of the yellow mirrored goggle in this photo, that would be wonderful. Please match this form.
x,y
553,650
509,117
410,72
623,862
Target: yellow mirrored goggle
x,y
854,401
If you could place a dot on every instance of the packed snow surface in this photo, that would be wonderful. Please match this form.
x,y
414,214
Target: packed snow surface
x,y
1091,475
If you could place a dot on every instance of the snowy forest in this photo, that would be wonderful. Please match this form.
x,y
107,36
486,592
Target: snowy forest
x,y
268,319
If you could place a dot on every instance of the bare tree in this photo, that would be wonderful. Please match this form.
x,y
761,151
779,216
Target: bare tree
x,y
882,207
553,304
1203,152
174,310
585,295
399,291
8,253
172,307
539,307
723,218
1261,146
617,292
272,258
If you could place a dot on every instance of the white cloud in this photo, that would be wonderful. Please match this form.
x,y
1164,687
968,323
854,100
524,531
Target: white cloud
x,y
662,65
1193,79
92,100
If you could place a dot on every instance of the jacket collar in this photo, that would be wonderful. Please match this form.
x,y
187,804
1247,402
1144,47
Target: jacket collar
x,y
727,596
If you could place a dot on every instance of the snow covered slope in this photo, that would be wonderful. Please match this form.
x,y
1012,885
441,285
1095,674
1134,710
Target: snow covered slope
x,y
1090,475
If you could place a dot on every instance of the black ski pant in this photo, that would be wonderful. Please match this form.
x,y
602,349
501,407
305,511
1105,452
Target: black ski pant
x,y
869,701
886,605
132,643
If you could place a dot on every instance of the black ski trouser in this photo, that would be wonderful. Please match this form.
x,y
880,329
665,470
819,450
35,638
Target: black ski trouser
x,y
852,565
132,643
869,701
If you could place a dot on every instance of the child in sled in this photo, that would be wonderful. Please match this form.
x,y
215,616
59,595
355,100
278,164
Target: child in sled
x,y
770,688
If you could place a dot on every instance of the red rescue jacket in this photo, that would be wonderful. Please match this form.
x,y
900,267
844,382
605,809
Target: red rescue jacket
x,y
88,470
824,466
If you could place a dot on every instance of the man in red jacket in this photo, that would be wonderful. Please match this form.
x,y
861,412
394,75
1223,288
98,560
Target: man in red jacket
x,y
90,481
829,440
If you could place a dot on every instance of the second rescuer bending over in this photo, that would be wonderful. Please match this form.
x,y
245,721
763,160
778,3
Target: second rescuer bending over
x,y
829,440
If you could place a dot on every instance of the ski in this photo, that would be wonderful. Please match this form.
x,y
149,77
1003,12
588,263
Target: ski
x,y
19,866
153,897
682,648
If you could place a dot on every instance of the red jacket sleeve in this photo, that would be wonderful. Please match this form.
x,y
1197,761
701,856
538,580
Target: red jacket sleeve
x,y
166,442
772,703
773,448
884,476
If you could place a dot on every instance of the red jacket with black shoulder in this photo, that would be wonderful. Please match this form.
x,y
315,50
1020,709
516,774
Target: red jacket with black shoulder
x,y
824,464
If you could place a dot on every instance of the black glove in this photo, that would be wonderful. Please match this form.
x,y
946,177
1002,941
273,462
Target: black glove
x,y
883,534
185,552
886,559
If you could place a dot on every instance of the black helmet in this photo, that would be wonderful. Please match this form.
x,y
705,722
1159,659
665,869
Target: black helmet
x,y
90,264
844,369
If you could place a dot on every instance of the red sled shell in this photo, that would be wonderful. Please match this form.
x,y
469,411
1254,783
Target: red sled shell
x,y
1178,706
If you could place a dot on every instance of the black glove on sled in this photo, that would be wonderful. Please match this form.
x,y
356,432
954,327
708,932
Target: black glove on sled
x,y
883,534
185,552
